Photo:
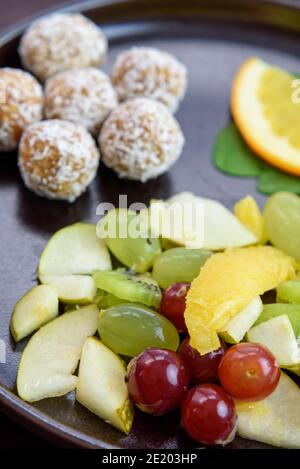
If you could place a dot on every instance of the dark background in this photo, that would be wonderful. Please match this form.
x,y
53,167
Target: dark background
x,y
12,12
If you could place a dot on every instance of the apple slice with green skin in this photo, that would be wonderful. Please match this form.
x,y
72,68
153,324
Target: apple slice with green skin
x,y
75,249
101,386
278,309
278,336
194,222
238,326
68,307
37,307
294,369
74,289
52,354
274,420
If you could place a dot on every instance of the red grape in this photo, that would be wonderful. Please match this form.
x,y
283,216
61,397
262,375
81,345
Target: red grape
x,y
172,305
202,368
249,372
208,415
157,381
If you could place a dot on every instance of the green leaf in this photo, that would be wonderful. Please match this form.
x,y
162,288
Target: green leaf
x,y
273,180
232,156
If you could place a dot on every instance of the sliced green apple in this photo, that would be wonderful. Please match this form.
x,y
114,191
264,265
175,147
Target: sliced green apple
x,y
294,369
33,310
52,354
194,222
78,289
276,419
273,310
278,336
238,326
68,307
75,249
101,385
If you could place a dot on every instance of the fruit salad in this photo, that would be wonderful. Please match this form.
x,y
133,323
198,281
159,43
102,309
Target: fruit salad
x,y
172,319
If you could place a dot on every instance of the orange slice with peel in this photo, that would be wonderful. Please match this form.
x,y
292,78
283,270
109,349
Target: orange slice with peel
x,y
266,110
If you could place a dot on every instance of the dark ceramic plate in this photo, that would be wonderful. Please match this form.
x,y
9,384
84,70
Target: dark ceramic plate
x,y
212,38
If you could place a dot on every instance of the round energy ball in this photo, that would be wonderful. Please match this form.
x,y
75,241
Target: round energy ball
x,y
21,104
84,96
58,159
150,73
140,139
61,42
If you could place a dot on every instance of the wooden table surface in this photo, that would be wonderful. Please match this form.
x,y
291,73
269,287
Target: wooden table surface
x,y
11,434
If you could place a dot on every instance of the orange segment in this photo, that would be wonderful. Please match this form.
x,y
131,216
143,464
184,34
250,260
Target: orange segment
x,y
227,283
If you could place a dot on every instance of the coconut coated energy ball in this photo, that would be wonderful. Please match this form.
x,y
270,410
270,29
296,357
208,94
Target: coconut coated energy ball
x,y
61,42
21,104
140,139
58,159
150,73
84,96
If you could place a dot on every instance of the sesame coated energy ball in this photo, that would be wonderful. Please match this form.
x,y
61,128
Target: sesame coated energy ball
x,y
21,104
61,42
84,96
150,73
140,139
58,159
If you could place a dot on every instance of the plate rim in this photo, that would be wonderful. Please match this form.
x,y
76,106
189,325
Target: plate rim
x,y
83,6
10,404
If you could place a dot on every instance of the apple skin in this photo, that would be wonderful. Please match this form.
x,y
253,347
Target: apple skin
x,y
72,289
170,215
236,328
101,386
278,336
52,355
274,420
37,307
273,310
75,249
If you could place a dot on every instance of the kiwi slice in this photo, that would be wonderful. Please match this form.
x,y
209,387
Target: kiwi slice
x,y
127,285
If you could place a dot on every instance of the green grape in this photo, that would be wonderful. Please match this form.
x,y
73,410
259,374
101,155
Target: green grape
x,y
127,236
130,328
178,265
278,309
282,221
289,292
